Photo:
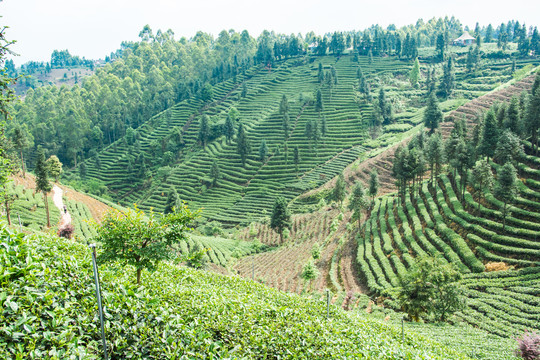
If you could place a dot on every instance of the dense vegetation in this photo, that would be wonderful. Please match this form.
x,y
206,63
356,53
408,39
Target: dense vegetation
x,y
465,222
246,128
177,313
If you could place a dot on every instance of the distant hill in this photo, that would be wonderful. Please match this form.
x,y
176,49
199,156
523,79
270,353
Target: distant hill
x,y
138,169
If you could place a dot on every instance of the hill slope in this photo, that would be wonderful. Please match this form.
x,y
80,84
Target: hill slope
x,y
178,313
246,193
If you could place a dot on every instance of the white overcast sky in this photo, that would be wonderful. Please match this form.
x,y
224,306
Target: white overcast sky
x,y
94,28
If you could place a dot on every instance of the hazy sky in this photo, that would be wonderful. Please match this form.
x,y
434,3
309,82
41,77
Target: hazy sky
x,y
95,28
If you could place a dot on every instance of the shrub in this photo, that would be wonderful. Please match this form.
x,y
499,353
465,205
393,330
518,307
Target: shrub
x,y
310,271
529,346
67,231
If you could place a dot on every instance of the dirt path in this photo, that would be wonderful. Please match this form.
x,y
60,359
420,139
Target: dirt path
x,y
57,199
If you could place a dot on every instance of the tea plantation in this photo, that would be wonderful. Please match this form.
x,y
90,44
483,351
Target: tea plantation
x,y
135,169
49,311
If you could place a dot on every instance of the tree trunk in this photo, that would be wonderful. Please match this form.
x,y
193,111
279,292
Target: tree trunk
x,y
281,237
7,213
504,215
22,164
138,276
47,209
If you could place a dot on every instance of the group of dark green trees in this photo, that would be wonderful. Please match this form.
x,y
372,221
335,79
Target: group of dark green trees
x,y
497,137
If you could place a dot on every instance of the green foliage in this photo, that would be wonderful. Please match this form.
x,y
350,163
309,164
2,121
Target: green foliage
x,y
243,145
358,202
263,151
281,217
339,191
414,75
173,202
196,258
54,167
506,188
316,251
430,289
309,271
131,237
178,311
214,172
432,115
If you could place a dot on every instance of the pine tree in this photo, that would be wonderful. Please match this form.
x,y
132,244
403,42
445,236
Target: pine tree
x,y
373,184
308,131
339,189
243,146
284,105
482,178
433,115
513,118
319,102
509,148
506,189
532,117
214,173
296,159
281,217
385,108
42,180
286,125
448,80
204,130
490,135
324,126
22,140
441,46
320,75
435,154
173,202
263,151
358,202
229,129
414,75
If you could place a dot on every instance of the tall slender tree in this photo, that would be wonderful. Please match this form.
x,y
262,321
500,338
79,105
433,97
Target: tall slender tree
x,y
263,151
42,181
339,190
433,115
22,140
281,217
204,130
358,202
506,189
448,82
243,145
373,184
214,173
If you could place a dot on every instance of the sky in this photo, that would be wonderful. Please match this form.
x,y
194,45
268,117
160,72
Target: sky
x,y
96,28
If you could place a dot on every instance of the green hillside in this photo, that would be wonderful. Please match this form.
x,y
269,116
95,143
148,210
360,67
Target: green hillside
x,y
499,255
50,312
244,193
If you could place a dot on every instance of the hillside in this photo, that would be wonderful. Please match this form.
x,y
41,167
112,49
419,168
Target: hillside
x,y
244,193
178,311
331,231
499,255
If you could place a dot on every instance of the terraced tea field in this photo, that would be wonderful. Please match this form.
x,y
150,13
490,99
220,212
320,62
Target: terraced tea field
x,y
244,194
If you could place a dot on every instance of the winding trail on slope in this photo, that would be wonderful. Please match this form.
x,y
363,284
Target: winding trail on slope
x,y
65,219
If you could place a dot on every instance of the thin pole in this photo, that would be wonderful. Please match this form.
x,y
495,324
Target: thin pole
x,y
327,303
402,330
98,295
